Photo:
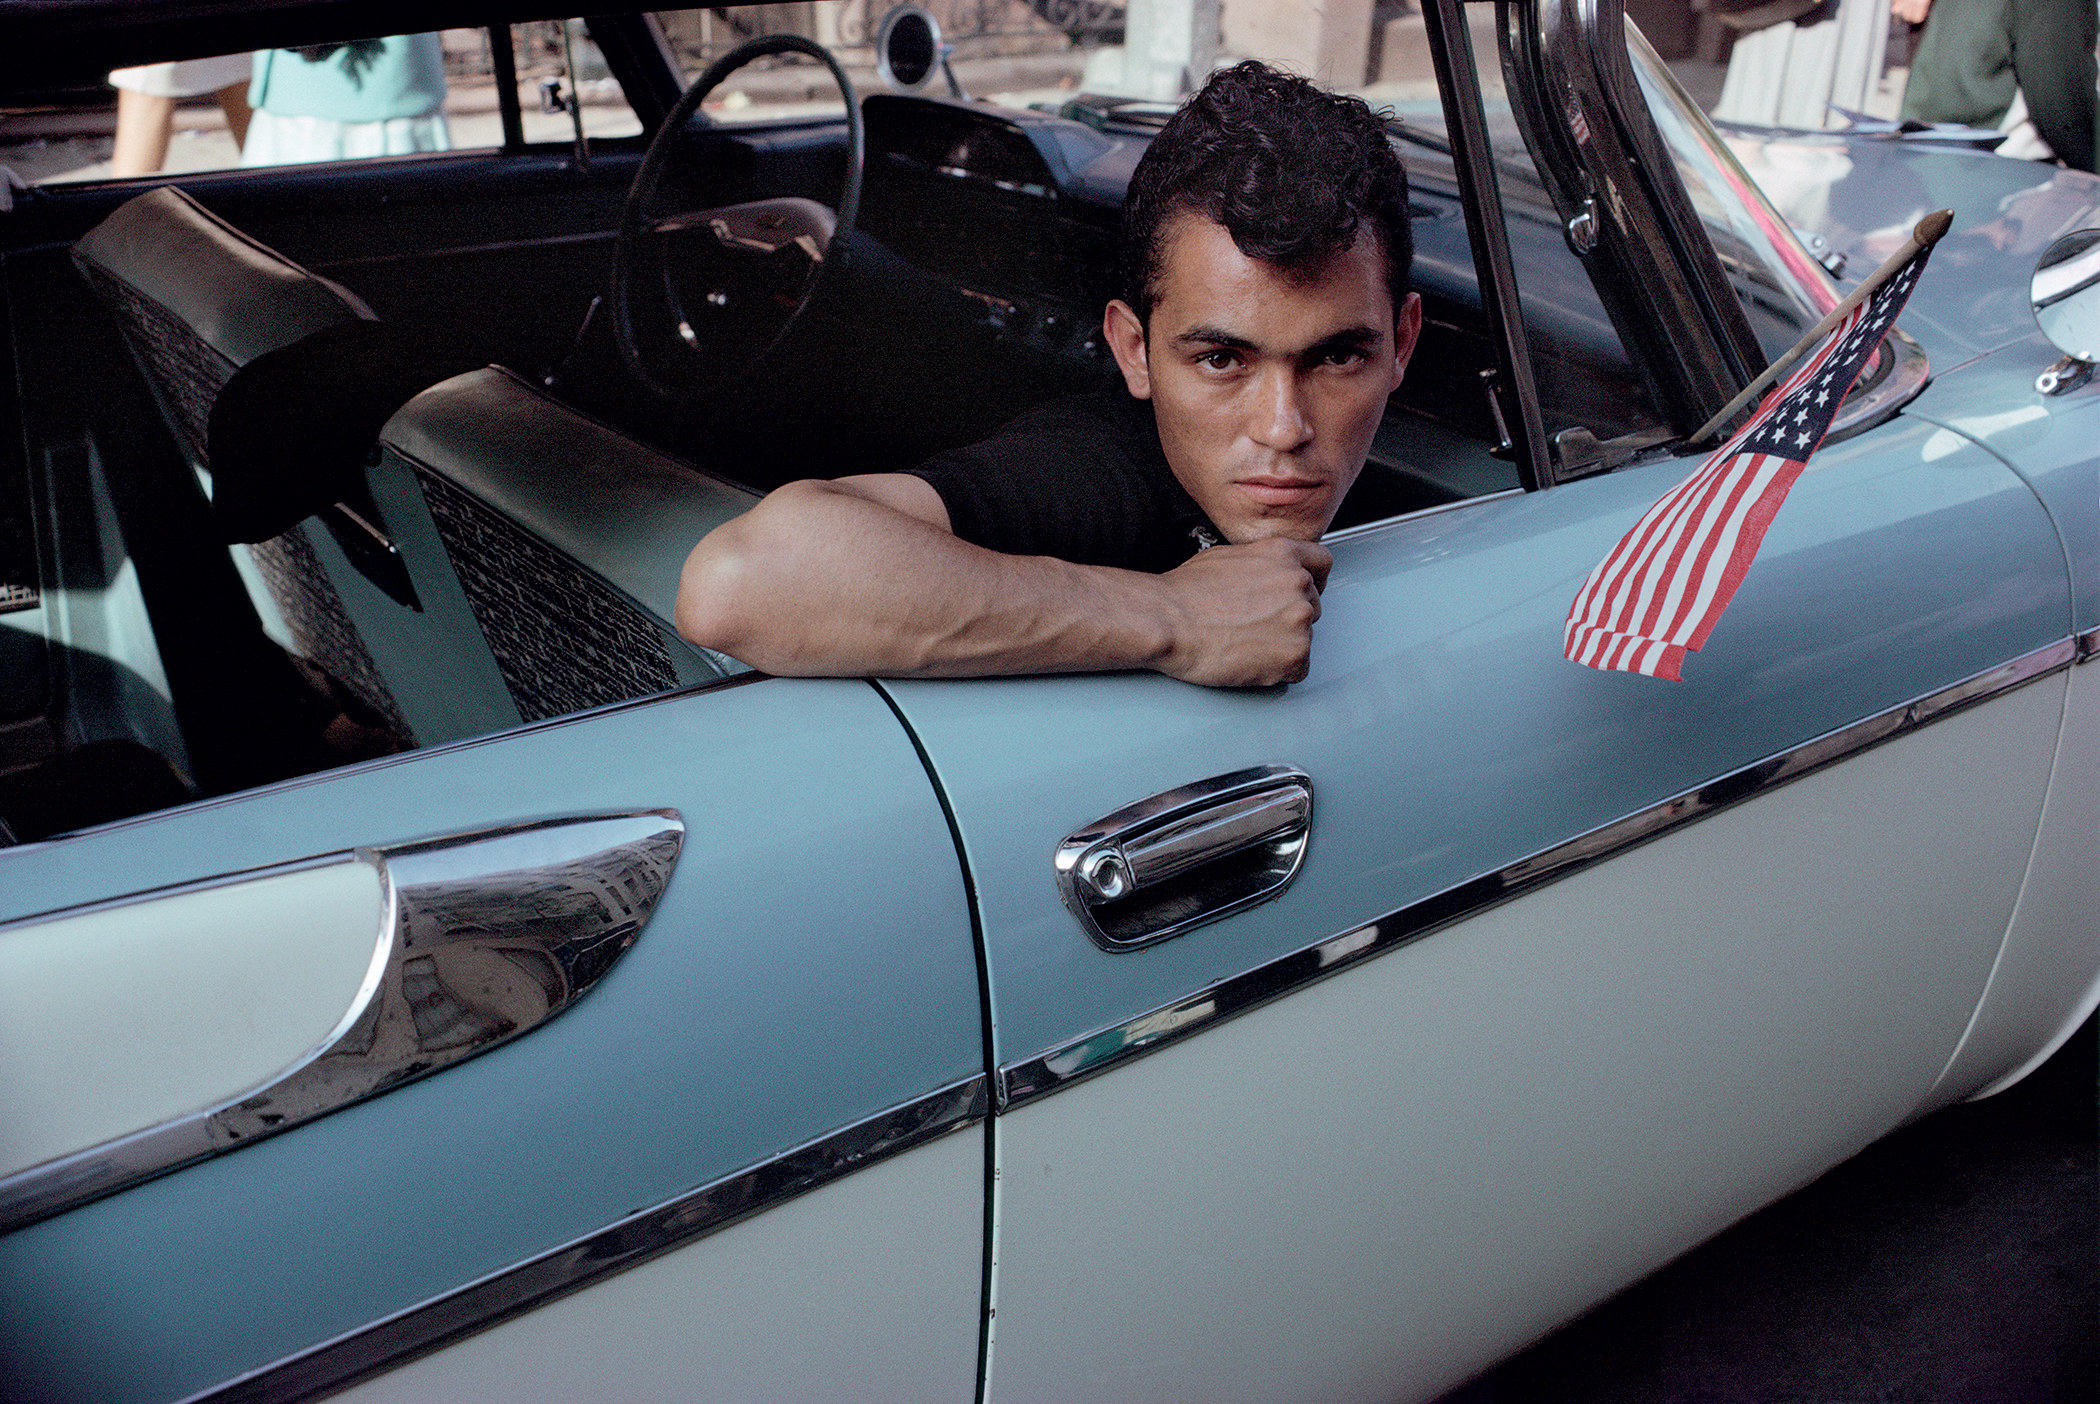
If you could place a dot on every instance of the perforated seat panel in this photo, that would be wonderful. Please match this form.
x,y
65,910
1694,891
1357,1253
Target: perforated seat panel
x,y
197,300
628,512
566,537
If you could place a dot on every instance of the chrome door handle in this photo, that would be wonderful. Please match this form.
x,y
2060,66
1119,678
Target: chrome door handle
x,y
1187,856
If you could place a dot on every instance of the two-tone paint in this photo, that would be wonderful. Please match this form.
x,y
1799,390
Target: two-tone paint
x,y
769,1005
1577,969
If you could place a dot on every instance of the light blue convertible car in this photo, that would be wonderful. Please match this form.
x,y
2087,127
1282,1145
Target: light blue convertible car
x,y
425,976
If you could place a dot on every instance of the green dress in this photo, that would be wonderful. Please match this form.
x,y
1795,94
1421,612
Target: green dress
x,y
374,80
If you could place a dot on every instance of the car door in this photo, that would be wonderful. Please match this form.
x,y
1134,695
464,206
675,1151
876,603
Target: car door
x,y
800,1000
1519,1030
1350,1035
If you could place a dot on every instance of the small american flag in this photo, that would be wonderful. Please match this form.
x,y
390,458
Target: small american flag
x,y
1661,590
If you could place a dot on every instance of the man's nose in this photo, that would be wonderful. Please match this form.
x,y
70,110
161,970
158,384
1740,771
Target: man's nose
x,y
1279,422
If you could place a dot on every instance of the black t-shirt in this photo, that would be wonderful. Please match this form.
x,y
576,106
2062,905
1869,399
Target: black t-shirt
x,y
1082,479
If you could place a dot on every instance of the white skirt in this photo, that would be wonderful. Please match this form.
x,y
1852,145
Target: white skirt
x,y
186,78
285,141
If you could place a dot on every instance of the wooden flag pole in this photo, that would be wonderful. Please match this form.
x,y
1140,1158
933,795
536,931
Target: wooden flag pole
x,y
1927,233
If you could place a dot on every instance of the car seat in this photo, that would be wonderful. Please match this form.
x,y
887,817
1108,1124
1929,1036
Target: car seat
x,y
199,303
490,558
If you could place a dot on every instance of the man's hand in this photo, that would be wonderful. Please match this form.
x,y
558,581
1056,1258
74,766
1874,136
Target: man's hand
x,y
1243,615
1911,11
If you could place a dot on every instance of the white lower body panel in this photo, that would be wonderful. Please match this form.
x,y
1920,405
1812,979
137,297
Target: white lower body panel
x,y
868,1288
1382,1183
2047,978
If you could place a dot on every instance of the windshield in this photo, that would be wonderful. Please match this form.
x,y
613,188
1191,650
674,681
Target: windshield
x,y
1783,290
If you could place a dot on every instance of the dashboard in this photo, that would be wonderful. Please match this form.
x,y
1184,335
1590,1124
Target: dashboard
x,y
1004,209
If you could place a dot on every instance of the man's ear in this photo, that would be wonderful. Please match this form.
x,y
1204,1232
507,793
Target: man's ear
x,y
1125,335
1407,330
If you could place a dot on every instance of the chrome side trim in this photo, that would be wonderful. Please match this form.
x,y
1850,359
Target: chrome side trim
x,y
2087,645
1060,1067
392,1340
484,936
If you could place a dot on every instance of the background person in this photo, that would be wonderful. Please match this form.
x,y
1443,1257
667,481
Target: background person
x,y
337,102
1976,56
146,98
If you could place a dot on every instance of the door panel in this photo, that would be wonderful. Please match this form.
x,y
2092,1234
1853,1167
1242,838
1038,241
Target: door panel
x,y
1567,1078
1445,735
774,998
866,1289
1386,1181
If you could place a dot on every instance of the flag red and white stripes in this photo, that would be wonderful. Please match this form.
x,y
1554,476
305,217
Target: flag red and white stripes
x,y
1659,592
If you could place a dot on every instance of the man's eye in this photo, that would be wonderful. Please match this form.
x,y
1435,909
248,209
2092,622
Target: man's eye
x,y
1344,356
1219,360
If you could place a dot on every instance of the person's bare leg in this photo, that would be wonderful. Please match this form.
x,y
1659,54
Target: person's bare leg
x,y
233,101
143,124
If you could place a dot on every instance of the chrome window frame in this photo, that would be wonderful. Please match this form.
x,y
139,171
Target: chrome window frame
x,y
1609,173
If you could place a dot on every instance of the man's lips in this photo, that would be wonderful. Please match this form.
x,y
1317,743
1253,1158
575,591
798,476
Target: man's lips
x,y
1271,491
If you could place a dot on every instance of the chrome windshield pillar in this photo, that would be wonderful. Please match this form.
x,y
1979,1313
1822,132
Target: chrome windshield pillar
x,y
1610,175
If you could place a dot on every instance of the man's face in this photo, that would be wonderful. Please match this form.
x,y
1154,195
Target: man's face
x,y
1267,387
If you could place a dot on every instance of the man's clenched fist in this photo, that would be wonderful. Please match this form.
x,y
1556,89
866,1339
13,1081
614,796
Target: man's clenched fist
x,y
1242,616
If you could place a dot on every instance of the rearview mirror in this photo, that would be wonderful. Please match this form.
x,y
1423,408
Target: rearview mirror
x,y
2066,296
908,50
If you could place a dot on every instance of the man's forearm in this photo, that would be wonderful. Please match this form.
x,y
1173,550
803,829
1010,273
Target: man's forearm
x,y
822,581
844,580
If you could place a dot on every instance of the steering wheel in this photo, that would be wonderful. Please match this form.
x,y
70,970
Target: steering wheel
x,y
700,297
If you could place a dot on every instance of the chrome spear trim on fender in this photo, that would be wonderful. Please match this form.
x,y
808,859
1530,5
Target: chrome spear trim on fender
x,y
483,937
369,1349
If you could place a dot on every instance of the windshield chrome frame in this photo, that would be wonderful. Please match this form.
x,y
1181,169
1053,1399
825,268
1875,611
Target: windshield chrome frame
x,y
1582,114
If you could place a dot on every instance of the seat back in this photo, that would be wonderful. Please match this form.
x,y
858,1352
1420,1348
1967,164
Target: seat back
x,y
198,301
562,538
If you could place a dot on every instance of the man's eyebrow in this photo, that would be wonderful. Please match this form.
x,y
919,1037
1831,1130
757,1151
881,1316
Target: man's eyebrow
x,y
1213,336
1348,339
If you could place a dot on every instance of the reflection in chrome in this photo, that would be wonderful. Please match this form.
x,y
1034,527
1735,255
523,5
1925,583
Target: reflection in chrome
x,y
485,936
370,1349
2064,375
1187,856
1059,1067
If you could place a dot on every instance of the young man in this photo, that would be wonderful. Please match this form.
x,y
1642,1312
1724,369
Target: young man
x,y
1265,319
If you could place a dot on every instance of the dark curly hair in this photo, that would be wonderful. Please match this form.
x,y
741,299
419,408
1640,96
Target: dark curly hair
x,y
1291,171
